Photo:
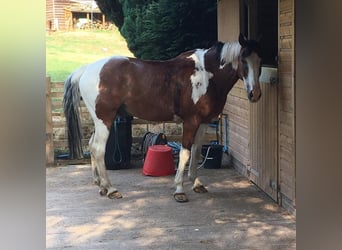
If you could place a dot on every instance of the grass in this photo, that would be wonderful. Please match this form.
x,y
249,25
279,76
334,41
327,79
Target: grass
x,y
66,51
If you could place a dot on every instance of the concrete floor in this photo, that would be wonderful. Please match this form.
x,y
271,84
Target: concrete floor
x,y
234,214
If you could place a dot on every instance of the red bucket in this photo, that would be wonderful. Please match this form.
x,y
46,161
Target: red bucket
x,y
158,161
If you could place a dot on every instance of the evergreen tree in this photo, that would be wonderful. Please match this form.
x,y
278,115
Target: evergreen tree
x,y
161,29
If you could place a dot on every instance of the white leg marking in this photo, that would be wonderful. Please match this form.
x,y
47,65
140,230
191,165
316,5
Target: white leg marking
x,y
184,156
95,173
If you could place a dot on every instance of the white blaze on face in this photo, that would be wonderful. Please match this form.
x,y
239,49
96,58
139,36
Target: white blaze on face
x,y
253,63
200,77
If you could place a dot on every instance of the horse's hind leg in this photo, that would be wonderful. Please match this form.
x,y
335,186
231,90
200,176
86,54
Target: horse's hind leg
x,y
98,148
198,187
96,177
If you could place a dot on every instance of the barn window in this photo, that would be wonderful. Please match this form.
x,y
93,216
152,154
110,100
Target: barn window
x,y
261,18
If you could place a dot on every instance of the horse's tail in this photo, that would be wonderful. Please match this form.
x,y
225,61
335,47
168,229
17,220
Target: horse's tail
x,y
71,101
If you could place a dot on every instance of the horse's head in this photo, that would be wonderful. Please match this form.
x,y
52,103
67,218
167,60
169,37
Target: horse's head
x,y
249,67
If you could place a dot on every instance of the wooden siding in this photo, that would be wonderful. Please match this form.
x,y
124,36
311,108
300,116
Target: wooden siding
x,y
237,109
286,103
237,105
48,10
55,8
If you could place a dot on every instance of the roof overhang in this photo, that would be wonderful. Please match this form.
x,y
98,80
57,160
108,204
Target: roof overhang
x,y
83,6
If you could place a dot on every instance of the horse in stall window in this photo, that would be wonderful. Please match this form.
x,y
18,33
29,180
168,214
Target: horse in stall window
x,y
191,87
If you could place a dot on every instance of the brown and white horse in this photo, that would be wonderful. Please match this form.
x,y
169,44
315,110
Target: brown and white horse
x,y
191,87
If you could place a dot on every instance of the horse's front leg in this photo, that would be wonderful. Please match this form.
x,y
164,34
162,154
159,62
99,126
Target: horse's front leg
x,y
179,194
189,131
198,187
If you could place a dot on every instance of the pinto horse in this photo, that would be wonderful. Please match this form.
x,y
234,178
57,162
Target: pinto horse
x,y
191,88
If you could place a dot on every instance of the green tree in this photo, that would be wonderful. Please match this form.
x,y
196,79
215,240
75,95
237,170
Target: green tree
x,y
161,29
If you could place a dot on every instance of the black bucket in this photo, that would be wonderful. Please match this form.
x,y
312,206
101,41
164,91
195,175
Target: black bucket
x,y
118,147
214,156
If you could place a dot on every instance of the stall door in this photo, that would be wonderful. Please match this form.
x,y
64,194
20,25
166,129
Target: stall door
x,y
263,165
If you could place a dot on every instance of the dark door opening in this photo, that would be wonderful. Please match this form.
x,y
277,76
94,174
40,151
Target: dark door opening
x,y
260,19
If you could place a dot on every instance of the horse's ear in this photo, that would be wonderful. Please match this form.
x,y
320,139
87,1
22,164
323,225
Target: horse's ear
x,y
242,40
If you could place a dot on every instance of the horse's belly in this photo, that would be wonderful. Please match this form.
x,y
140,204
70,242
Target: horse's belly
x,y
151,112
151,116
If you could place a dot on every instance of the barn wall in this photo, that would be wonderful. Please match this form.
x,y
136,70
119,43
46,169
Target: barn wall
x,y
286,104
237,105
238,108
228,20
48,12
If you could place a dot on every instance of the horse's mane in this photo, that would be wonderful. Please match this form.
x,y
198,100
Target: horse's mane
x,y
226,53
229,53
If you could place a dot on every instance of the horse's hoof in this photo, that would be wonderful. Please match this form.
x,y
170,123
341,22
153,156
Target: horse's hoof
x,y
103,191
200,189
180,197
114,195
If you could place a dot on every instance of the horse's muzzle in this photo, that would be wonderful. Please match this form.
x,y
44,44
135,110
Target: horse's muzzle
x,y
254,95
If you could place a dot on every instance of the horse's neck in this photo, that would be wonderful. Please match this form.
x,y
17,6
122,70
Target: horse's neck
x,y
224,76
226,81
